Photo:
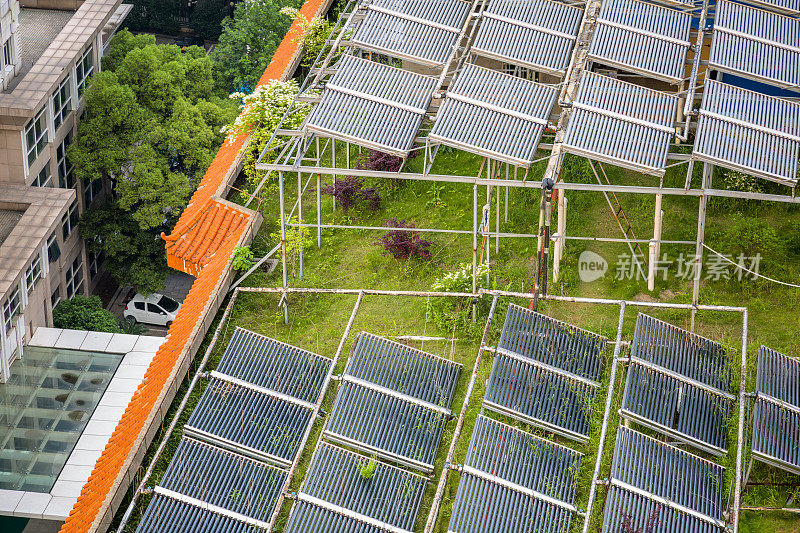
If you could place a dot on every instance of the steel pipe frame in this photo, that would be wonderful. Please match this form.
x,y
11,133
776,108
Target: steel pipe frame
x,y
623,304
317,408
533,184
195,379
437,498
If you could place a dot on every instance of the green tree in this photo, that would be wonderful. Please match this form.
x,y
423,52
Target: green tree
x,y
134,257
207,17
157,15
153,123
249,40
85,314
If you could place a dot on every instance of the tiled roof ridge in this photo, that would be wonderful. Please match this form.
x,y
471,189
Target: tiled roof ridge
x,y
127,444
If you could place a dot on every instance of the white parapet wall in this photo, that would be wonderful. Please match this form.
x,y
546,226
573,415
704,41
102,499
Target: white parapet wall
x,y
137,353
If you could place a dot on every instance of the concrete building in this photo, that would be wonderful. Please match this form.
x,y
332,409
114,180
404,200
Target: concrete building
x,y
50,48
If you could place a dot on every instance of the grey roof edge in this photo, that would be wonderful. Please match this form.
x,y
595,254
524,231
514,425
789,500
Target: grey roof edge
x,y
14,103
30,230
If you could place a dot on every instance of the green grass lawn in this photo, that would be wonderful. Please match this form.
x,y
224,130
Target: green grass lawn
x,y
353,259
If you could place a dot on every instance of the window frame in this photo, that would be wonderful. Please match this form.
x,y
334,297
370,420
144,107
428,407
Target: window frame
x,y
81,70
66,170
11,308
74,278
55,297
89,192
95,263
44,178
33,273
69,221
62,103
52,244
36,141
8,52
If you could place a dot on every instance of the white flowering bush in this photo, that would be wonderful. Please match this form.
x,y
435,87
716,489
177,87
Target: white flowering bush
x,y
263,108
262,111
315,33
449,313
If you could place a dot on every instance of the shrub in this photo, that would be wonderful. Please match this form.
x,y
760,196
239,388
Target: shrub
x,y
131,327
448,313
350,194
315,34
381,162
742,182
751,236
368,467
403,243
242,258
85,314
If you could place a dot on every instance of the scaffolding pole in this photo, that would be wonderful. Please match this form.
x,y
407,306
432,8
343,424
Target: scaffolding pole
x,y
708,171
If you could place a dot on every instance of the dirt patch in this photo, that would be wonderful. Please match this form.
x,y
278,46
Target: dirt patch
x,y
667,294
70,378
643,297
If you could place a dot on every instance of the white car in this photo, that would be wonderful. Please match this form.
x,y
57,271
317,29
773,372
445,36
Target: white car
x,y
155,309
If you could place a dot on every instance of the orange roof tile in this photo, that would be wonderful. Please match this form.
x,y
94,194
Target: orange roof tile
x,y
202,244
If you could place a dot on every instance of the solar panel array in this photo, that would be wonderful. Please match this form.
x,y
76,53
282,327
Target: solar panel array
x,y
749,131
338,497
652,482
756,44
372,104
776,415
245,432
495,115
514,481
394,401
546,373
215,480
679,384
621,123
421,31
788,7
534,34
641,37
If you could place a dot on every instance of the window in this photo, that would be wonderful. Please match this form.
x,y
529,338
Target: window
x,y
11,308
45,178
83,69
95,262
75,278
36,136
8,51
91,190
33,274
153,308
66,178
61,103
139,306
519,72
53,251
70,221
55,298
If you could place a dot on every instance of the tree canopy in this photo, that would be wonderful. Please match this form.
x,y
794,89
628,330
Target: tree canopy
x,y
85,314
153,122
249,40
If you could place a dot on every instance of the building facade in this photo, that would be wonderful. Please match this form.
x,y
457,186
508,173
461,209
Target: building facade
x,y
50,48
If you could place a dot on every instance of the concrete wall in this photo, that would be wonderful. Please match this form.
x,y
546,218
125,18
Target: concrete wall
x,y
67,5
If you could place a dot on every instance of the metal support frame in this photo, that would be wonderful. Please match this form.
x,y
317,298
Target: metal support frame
x,y
708,171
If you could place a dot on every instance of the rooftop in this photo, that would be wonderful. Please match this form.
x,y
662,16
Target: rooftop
x,y
8,221
37,211
37,30
49,64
